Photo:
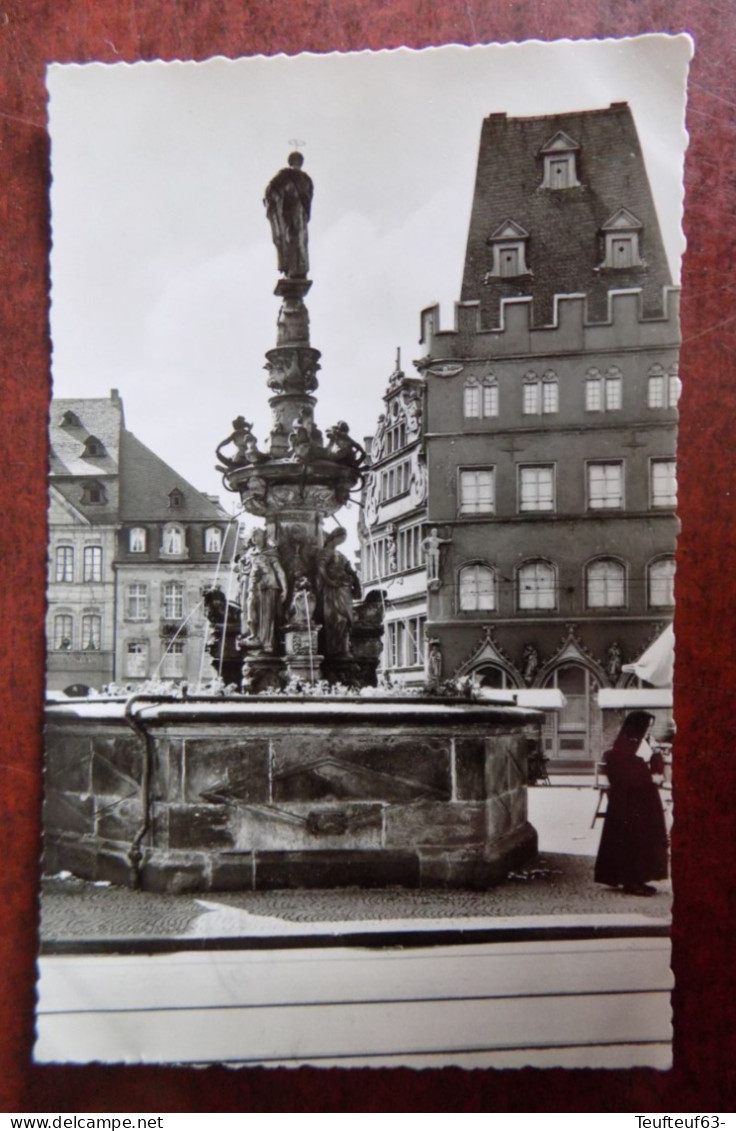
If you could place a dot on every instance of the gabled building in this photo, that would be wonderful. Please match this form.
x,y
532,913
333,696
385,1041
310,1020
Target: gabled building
x,y
131,545
550,422
392,530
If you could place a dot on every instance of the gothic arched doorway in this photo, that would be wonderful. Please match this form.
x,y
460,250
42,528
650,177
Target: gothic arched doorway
x,y
575,732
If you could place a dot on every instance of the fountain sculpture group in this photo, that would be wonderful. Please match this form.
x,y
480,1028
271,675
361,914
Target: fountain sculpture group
x,y
262,789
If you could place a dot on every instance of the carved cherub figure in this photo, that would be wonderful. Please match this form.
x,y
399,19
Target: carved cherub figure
x,y
343,448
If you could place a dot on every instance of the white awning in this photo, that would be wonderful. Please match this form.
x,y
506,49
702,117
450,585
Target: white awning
x,y
536,698
656,665
631,698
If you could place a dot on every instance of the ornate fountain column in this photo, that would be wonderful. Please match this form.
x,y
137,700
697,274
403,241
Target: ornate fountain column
x,y
297,589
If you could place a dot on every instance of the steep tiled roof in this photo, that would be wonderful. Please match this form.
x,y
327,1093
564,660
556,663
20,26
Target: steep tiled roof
x,y
146,483
99,418
565,244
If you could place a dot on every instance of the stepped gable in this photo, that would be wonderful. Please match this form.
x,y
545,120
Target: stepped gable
x,y
146,483
565,246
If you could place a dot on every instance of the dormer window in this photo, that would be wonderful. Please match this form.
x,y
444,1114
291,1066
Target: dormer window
x,y
212,540
93,493
93,448
137,540
70,419
508,244
173,543
560,162
176,499
621,234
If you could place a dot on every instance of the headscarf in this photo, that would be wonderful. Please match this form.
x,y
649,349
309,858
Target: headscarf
x,y
633,730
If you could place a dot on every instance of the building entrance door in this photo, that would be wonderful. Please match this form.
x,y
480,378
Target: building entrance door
x,y
576,728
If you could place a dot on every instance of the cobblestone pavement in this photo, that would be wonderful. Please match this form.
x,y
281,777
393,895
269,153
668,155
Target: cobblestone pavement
x,y
556,885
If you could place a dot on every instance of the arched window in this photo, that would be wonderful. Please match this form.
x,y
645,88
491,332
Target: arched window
x,y
605,584
173,540
537,585
64,563
661,583
63,632
471,399
593,391
614,386
476,588
212,540
550,392
663,388
480,398
137,540
91,632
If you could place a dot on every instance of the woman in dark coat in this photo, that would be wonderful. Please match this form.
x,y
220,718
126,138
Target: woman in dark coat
x,y
633,846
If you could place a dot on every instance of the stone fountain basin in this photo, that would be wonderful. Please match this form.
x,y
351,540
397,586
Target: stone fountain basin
x,y
248,792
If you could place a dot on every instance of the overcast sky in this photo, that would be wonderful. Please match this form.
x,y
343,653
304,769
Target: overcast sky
x,y
163,268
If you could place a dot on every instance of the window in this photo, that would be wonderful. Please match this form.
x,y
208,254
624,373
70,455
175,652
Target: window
x,y
173,594
63,632
613,389
531,402
537,488
476,588
136,659
605,486
537,587
409,548
91,632
605,584
621,233
93,493
395,436
176,499
93,448
663,483
212,540
173,541
550,392
560,162
405,642
92,563
663,389
661,583
480,398
395,480
540,396
593,391
173,662
477,491
70,419
508,246
137,540
64,563
137,602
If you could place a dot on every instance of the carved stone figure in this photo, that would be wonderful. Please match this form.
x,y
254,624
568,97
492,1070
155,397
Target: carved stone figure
x,y
262,588
529,664
434,661
338,584
377,441
371,499
303,605
243,439
392,560
614,660
288,201
432,545
412,412
418,480
343,448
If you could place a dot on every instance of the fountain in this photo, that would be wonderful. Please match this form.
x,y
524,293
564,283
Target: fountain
x,y
266,788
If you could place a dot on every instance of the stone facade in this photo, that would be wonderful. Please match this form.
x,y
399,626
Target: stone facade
x,y
218,795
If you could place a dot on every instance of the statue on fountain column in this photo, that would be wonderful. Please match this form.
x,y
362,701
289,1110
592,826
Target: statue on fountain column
x,y
338,584
263,587
288,203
